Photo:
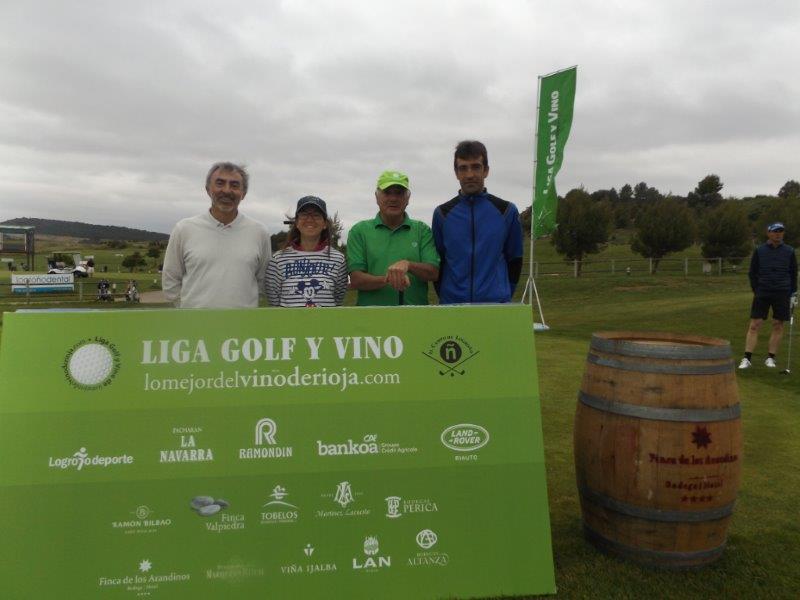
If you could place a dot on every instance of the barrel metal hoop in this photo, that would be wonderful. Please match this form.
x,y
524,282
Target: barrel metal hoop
x,y
655,514
664,558
655,413
725,367
629,348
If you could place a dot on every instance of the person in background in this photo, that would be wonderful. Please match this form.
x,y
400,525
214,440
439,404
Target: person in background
x,y
308,271
773,279
391,258
217,259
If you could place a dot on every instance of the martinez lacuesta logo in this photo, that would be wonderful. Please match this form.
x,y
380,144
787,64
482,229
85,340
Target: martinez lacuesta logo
x,y
91,363
451,352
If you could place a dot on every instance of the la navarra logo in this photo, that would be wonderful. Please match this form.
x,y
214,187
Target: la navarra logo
x,y
450,352
91,363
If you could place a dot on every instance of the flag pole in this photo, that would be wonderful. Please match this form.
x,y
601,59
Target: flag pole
x,y
530,284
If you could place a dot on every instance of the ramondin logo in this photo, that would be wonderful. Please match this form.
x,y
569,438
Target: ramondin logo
x,y
451,352
91,363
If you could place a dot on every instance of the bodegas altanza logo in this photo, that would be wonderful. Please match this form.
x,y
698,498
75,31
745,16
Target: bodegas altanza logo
x,y
369,444
144,583
145,520
451,352
187,450
91,363
429,555
266,445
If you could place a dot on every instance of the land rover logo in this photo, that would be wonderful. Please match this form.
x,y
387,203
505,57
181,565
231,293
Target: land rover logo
x,y
465,437
91,363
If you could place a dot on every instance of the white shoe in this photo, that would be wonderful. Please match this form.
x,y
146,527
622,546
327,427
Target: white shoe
x,y
745,364
770,362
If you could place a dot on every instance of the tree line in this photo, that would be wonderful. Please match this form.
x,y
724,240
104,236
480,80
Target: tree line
x,y
662,224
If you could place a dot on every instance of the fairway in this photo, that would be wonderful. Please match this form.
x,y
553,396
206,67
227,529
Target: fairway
x,y
762,552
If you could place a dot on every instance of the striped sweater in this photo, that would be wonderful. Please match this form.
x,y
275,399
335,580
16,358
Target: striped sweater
x,y
297,278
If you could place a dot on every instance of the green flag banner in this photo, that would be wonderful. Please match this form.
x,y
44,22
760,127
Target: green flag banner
x,y
269,453
556,101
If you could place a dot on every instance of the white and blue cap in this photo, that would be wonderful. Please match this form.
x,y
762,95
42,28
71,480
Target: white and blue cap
x,y
778,226
318,203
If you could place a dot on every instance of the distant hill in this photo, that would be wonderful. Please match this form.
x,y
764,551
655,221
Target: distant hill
x,y
89,231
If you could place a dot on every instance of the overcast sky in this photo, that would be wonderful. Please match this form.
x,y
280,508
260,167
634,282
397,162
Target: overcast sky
x,y
111,112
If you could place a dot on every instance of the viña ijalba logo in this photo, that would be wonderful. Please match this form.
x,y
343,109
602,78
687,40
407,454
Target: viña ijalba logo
x,y
91,363
451,352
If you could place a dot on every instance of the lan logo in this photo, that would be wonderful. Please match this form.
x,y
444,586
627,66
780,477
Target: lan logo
x,y
451,352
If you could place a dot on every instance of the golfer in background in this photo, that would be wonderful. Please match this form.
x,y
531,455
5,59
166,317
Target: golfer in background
x,y
773,278
218,258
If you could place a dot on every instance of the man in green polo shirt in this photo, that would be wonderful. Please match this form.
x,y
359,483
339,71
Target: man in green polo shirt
x,y
391,256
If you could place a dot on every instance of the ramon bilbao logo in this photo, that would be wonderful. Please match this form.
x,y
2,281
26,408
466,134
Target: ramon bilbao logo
x,y
91,363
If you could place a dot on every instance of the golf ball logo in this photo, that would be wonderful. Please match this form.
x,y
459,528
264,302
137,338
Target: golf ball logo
x,y
91,364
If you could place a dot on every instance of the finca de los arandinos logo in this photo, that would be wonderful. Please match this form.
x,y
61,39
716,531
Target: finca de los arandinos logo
x,y
451,352
91,363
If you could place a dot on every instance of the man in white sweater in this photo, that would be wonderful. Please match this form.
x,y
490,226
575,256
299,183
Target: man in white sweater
x,y
217,259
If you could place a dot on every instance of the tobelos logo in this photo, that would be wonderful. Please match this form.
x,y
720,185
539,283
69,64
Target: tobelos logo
x,y
451,352
91,363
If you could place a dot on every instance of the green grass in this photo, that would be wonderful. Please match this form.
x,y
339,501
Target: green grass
x,y
764,538
763,548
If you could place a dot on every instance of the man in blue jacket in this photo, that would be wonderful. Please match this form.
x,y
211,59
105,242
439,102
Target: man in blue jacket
x,y
478,236
773,278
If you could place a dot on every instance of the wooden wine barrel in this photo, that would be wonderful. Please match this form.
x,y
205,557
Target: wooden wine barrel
x,y
658,446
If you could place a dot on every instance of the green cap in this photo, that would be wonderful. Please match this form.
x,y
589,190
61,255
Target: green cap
x,y
390,178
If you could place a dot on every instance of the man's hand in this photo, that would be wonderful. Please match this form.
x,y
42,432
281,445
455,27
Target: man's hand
x,y
397,275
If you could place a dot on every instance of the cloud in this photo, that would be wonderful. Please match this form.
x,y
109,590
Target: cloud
x,y
112,115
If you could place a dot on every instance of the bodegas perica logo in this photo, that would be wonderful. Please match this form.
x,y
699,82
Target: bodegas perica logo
x,y
91,363
451,352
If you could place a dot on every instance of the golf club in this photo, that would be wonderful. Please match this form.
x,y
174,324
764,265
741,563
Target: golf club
x,y
788,370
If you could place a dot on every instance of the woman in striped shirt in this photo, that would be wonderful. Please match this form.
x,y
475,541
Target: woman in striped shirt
x,y
308,271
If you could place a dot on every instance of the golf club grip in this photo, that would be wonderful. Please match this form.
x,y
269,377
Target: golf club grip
x,y
401,298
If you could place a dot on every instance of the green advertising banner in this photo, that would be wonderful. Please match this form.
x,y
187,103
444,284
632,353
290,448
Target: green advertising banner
x,y
269,453
556,101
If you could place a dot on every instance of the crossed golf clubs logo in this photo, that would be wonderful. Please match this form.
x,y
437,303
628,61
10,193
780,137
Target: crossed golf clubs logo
x,y
451,357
